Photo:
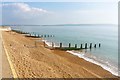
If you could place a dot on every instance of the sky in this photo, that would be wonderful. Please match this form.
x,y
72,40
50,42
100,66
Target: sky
x,y
59,0
49,13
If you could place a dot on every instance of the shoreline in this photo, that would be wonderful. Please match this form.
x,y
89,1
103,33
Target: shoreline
x,y
67,58
81,54
104,66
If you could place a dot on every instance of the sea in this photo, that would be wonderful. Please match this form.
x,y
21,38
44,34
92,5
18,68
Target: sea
x,y
105,56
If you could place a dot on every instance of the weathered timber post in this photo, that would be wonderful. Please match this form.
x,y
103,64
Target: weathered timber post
x,y
81,46
52,44
48,35
60,45
85,45
75,45
95,45
44,43
99,45
44,35
90,45
69,45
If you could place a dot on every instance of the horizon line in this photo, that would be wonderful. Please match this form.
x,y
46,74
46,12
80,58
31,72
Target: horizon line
x,y
51,24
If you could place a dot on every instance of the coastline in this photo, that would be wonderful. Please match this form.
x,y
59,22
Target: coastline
x,y
63,64
92,59
97,61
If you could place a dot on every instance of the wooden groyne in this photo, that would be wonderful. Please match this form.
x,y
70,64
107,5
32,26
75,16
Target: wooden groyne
x,y
39,36
61,47
20,32
33,34
75,47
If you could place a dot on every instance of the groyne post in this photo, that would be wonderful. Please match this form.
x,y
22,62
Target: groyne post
x,y
44,35
60,45
69,45
81,46
90,45
48,35
44,43
95,45
75,45
52,44
99,45
85,45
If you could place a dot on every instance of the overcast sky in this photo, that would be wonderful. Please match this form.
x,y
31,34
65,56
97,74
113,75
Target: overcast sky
x,y
59,13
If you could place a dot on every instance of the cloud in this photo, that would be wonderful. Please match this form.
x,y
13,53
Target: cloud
x,y
21,13
23,7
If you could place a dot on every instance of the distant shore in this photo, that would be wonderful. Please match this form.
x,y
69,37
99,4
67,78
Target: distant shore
x,y
39,62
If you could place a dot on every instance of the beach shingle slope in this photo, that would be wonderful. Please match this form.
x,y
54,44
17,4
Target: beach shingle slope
x,y
39,62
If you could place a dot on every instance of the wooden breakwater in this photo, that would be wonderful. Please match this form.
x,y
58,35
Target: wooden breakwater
x,y
61,47
32,34
20,32
75,47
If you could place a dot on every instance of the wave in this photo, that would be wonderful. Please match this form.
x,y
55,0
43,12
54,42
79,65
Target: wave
x,y
46,42
105,64
49,43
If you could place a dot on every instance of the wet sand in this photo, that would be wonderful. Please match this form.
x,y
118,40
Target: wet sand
x,y
32,61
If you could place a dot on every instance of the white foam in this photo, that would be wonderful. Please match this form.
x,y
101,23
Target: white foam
x,y
107,66
47,42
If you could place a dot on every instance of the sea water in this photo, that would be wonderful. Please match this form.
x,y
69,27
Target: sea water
x,y
106,56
